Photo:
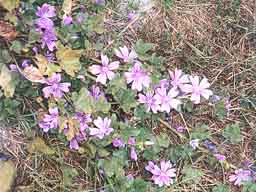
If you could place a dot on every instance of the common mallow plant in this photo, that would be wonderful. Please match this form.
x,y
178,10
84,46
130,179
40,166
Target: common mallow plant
x,y
88,114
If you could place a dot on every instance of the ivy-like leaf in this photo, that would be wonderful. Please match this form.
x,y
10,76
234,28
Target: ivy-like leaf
x,y
221,188
232,132
220,110
83,101
88,104
68,174
201,132
192,175
142,48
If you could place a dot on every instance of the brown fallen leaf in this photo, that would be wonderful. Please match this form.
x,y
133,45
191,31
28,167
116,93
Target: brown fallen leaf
x,y
7,31
42,63
32,74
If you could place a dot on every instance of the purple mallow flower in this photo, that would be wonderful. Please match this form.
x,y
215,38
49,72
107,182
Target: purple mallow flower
x,y
131,141
178,79
25,63
220,157
46,11
118,142
96,92
73,144
103,127
131,16
133,154
13,68
150,101
104,71
210,145
55,88
138,77
240,176
49,39
50,121
83,119
194,143
197,89
44,23
167,101
100,2
180,129
67,20
163,175
124,54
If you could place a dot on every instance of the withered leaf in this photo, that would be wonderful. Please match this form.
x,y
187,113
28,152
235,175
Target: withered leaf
x,y
7,31
33,74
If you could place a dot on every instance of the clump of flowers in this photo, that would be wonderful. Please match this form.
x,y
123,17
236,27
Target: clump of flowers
x,y
45,25
93,112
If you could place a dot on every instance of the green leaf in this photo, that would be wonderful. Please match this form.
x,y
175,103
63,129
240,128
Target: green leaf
x,y
7,175
116,84
201,132
249,186
7,81
90,149
5,57
96,24
10,4
232,132
126,98
68,175
139,185
112,167
102,105
103,152
16,46
192,175
163,140
221,188
69,60
39,146
150,154
220,110
142,48
84,102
